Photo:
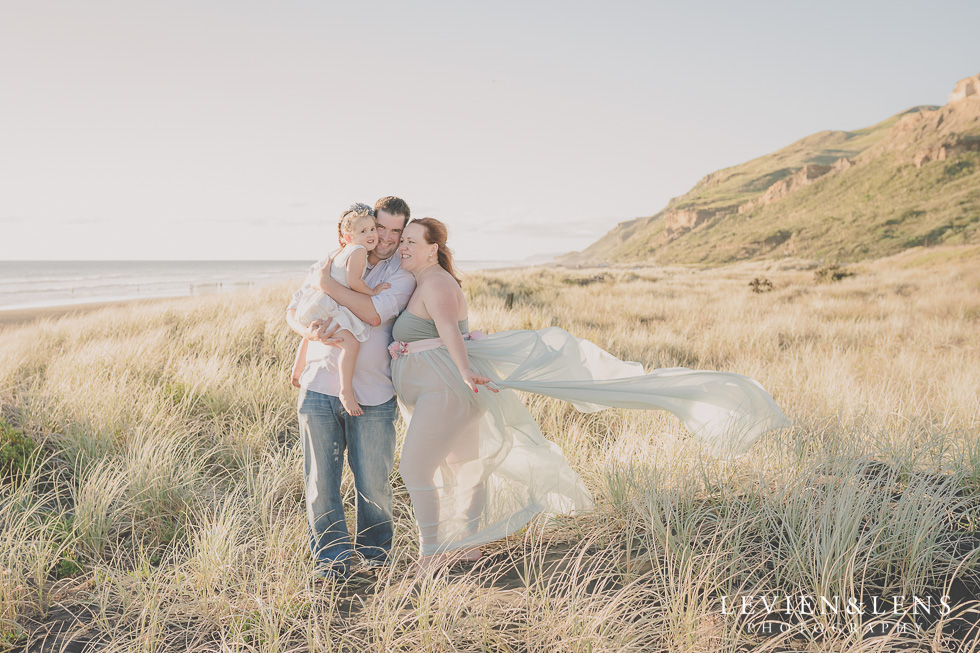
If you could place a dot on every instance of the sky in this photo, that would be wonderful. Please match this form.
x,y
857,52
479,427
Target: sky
x,y
219,129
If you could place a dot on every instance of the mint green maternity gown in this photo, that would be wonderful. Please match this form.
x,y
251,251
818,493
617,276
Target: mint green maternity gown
x,y
476,464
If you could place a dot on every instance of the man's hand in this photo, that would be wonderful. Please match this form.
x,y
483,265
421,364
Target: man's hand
x,y
325,333
313,331
322,331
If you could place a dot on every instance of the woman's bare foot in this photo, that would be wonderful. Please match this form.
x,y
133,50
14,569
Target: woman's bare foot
x,y
470,555
431,565
350,404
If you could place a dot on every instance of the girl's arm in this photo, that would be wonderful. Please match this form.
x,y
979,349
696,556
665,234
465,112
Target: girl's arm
x,y
355,273
439,297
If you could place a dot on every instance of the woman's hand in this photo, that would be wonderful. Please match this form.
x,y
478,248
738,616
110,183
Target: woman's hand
x,y
473,379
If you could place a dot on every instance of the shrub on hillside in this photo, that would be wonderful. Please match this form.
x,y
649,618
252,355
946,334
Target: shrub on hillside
x,y
832,272
760,284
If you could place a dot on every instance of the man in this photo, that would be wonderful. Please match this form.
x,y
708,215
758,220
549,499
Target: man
x,y
327,430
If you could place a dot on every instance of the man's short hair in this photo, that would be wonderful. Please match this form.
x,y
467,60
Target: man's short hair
x,y
394,206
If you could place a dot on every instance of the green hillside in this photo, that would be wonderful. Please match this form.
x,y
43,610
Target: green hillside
x,y
910,180
739,184
873,210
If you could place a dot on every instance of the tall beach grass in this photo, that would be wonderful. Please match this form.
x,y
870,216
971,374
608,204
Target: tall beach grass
x,y
165,511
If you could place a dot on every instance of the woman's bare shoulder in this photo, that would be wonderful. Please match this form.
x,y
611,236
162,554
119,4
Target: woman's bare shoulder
x,y
444,284
441,289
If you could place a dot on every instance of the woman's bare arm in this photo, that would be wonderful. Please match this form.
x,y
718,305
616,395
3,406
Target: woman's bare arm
x,y
442,303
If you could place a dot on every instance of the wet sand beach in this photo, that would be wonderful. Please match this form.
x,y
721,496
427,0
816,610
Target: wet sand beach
x,y
20,316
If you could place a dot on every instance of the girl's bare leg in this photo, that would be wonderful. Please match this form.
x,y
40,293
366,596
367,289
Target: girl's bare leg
x,y
348,356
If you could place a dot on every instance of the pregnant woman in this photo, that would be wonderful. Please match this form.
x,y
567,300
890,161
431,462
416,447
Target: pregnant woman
x,y
475,463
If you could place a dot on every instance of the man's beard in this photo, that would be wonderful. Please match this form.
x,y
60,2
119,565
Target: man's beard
x,y
394,248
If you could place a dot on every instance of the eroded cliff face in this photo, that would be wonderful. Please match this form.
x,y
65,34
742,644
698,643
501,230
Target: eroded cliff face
x,y
942,134
800,179
966,90
679,222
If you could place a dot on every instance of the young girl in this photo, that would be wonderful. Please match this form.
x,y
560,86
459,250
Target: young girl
x,y
357,229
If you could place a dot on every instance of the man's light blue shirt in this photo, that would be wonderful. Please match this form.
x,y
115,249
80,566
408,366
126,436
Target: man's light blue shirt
x,y
372,372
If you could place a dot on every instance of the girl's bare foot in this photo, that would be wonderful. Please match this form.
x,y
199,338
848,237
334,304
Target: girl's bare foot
x,y
350,404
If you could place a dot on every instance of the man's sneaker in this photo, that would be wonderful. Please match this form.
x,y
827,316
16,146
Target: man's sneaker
x,y
374,564
335,573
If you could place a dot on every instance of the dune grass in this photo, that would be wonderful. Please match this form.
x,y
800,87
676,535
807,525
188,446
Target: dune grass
x,y
165,509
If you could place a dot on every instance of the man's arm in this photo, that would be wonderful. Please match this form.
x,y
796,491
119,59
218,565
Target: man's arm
x,y
360,305
389,303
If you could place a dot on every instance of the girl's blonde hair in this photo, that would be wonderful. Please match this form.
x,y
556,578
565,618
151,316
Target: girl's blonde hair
x,y
349,217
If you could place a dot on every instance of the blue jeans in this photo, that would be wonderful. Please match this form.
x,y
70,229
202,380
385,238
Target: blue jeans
x,y
326,431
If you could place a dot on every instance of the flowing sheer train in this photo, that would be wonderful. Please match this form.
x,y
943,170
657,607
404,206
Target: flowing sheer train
x,y
476,464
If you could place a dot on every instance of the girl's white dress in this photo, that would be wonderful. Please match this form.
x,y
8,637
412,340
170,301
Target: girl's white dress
x,y
314,304
476,464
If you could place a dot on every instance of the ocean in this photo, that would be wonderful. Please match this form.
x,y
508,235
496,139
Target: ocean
x,y
36,284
